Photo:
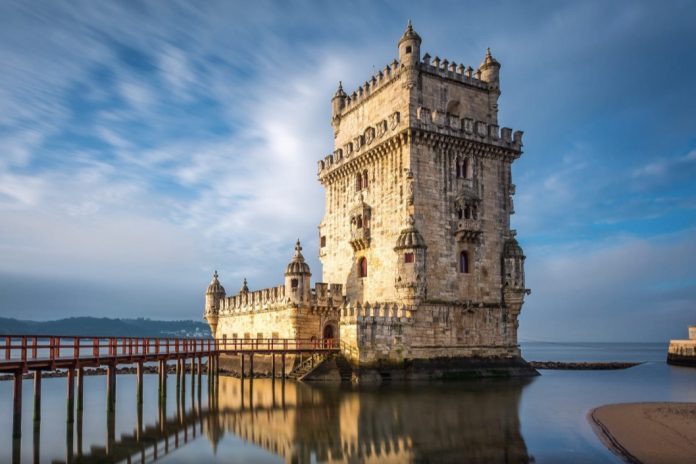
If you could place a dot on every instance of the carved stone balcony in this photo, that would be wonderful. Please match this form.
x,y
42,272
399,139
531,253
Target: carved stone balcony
x,y
360,238
468,230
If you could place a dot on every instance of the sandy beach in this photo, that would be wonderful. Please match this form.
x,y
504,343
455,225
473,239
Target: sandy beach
x,y
661,433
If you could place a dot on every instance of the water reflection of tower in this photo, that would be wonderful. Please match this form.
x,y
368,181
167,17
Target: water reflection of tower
x,y
462,422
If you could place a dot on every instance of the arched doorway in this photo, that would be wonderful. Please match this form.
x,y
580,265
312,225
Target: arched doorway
x,y
330,334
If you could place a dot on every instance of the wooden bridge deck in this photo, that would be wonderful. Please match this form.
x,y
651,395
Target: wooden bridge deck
x,y
37,353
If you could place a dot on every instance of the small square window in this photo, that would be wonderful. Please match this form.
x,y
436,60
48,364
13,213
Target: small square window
x,y
322,241
408,49
408,257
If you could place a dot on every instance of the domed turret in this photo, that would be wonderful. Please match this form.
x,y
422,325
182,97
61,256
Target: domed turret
x,y
513,265
409,46
338,102
297,277
214,293
490,69
490,72
410,274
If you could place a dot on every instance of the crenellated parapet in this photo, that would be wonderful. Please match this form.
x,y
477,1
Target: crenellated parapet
x,y
370,87
322,296
258,300
468,129
451,70
372,139
385,313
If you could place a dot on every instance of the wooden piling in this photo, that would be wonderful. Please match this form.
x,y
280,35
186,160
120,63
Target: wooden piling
x,y
241,355
110,388
282,366
139,380
251,365
71,396
37,396
80,389
17,405
273,366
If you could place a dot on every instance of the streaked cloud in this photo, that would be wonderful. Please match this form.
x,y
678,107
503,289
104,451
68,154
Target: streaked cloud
x,y
144,145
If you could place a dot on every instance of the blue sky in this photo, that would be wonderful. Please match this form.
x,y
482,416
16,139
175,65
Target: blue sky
x,y
145,144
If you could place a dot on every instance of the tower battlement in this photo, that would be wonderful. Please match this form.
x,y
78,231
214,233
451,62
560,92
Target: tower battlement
x,y
415,236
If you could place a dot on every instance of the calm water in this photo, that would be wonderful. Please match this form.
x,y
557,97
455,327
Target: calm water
x,y
542,420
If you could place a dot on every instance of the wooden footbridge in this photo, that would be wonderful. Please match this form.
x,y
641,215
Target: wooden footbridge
x,y
38,353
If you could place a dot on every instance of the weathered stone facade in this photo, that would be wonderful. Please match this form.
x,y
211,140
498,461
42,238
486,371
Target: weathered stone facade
x,y
417,222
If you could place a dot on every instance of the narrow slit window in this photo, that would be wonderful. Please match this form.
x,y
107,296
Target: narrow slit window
x,y
362,267
464,262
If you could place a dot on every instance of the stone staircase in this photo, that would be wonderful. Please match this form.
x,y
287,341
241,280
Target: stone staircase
x,y
333,368
307,365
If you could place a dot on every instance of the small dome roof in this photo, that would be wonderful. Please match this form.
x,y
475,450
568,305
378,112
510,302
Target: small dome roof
x,y
410,34
410,238
339,91
512,249
488,60
215,288
297,265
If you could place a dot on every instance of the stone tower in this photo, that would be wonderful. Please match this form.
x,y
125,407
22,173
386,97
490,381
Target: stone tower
x,y
418,203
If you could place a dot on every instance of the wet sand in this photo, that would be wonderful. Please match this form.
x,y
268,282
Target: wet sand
x,y
647,433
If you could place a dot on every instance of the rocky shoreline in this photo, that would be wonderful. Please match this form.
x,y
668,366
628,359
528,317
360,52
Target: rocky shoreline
x,y
582,366
551,365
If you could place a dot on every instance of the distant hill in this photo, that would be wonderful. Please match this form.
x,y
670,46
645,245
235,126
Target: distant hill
x,y
94,326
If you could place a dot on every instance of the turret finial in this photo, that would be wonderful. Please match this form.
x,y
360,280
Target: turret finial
x,y
215,274
245,287
298,247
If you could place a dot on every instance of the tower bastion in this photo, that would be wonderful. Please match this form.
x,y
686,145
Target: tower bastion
x,y
427,277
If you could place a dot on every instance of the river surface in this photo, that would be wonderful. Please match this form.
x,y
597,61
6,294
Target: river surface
x,y
540,420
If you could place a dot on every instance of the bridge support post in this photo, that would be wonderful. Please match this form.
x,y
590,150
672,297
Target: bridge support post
x,y
273,366
282,367
163,381
71,395
182,398
80,389
251,365
110,388
139,380
241,356
178,377
17,404
37,396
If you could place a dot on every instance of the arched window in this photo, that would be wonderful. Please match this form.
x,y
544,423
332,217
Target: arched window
x,y
465,168
458,162
464,262
467,212
359,222
358,182
364,179
362,267
459,213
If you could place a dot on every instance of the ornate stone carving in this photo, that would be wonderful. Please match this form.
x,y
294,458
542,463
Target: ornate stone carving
x,y
394,119
369,135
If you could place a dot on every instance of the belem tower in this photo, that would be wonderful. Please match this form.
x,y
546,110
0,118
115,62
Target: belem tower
x,y
422,275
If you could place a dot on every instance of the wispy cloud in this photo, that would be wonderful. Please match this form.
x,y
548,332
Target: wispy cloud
x,y
150,143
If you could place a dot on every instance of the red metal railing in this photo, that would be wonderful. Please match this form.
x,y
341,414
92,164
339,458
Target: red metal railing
x,y
43,347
